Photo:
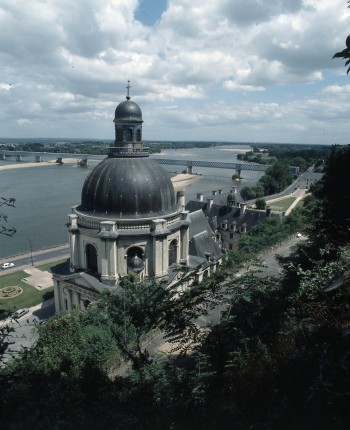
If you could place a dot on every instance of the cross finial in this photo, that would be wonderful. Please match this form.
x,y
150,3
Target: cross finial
x,y
128,91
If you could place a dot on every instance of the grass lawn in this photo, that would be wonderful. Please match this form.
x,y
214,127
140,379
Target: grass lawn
x,y
283,203
29,297
52,265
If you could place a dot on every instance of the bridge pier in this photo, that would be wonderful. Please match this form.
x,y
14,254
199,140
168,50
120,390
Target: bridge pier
x,y
238,173
18,157
2,156
189,169
38,159
83,162
59,160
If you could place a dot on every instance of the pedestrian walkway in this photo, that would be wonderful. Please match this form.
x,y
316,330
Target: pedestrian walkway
x,y
38,279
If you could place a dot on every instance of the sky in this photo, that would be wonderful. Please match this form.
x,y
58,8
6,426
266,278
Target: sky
x,y
204,70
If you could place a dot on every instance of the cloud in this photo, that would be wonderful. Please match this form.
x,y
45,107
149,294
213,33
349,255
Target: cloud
x,y
257,65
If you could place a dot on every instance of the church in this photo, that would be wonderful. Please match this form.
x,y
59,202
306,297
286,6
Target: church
x,y
131,220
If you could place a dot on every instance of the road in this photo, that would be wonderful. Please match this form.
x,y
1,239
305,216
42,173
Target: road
x,y
158,346
34,259
25,333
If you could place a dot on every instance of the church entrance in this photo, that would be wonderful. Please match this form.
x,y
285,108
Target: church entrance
x,y
91,257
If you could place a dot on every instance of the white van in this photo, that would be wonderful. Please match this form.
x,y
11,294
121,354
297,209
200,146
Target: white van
x,y
7,265
20,313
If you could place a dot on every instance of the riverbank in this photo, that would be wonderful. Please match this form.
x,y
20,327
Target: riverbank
x,y
183,180
180,181
21,165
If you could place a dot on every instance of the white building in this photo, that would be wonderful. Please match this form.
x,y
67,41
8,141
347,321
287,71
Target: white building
x,y
129,219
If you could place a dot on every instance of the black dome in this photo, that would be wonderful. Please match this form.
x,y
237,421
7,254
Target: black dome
x,y
128,111
128,188
136,264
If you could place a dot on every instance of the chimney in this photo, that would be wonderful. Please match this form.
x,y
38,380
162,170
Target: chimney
x,y
209,203
200,197
220,191
180,195
214,193
243,208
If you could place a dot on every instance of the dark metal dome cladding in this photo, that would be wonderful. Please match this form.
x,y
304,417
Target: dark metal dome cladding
x,y
128,188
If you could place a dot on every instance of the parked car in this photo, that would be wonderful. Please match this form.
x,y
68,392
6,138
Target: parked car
x,y
7,265
20,313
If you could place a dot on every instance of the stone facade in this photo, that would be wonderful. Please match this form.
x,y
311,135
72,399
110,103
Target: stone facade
x,y
130,220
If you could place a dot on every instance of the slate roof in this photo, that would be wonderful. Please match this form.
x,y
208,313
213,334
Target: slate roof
x,y
202,247
216,214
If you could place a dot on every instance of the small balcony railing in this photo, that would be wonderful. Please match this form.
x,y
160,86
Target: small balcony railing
x,y
122,151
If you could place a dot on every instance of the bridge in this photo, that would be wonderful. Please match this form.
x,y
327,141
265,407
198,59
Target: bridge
x,y
238,167
189,164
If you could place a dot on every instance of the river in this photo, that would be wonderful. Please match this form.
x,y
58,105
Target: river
x,y
45,194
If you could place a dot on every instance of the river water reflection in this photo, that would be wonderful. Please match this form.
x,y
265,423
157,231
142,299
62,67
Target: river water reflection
x,y
45,194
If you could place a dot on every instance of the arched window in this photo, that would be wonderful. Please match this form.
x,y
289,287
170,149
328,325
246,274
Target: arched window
x,y
138,135
173,252
129,135
91,257
134,259
119,134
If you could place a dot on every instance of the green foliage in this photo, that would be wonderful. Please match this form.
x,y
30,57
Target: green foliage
x,y
299,162
345,53
260,204
271,232
247,193
67,343
252,192
293,155
280,345
333,220
5,229
29,297
276,178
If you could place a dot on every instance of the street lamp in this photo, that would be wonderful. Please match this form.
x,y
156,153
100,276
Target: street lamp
x,y
31,251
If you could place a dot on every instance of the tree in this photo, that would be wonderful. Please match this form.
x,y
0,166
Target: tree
x,y
333,218
345,53
299,162
4,229
276,178
248,193
260,204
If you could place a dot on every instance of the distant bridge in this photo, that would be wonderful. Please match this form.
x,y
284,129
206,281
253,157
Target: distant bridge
x,y
189,164
214,164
